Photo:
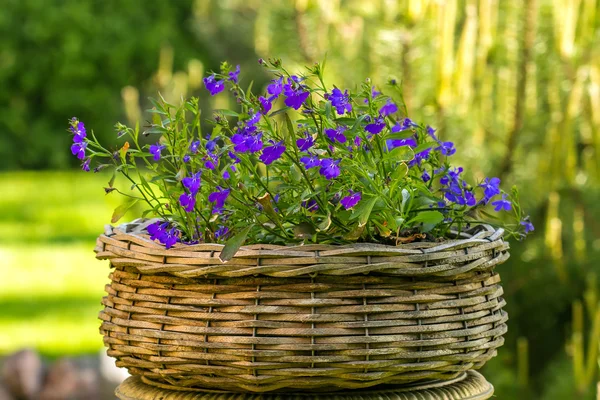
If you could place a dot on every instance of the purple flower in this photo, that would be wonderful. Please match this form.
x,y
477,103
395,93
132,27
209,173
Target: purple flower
x,y
446,148
155,150
376,126
252,120
234,75
310,205
406,124
79,132
211,163
419,157
186,158
226,175
294,92
502,204
431,132
246,130
470,198
310,161
86,165
527,225
275,88
329,168
393,143
425,176
265,105
351,200
336,134
219,197
221,232
236,159
194,146
78,149
452,175
306,143
170,237
272,153
388,108
211,145
156,229
491,188
339,100
455,194
374,93
213,86
160,230
192,183
188,201
255,143
244,143
357,141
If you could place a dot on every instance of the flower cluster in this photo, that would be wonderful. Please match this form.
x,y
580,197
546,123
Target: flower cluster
x,y
298,162
79,145
163,233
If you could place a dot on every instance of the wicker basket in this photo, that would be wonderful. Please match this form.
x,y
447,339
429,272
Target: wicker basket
x,y
313,317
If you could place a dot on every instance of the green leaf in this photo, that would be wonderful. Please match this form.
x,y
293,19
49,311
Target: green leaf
x,y
424,146
159,178
290,130
396,176
355,233
190,107
155,111
181,173
304,230
400,135
265,202
402,153
144,182
233,244
158,105
428,217
146,212
295,173
305,121
325,224
229,113
345,120
405,197
121,210
156,129
328,110
277,112
363,211
216,131
112,180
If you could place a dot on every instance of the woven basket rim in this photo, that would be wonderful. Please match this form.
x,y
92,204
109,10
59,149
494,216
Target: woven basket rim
x,y
129,245
480,233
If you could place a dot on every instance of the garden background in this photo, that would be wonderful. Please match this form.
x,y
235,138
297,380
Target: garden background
x,y
514,83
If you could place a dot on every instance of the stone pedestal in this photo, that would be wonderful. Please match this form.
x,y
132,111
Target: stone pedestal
x,y
470,386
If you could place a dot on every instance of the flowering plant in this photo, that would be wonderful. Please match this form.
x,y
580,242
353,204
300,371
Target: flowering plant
x,y
301,162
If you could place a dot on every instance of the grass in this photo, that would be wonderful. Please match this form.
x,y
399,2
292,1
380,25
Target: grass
x,y
51,283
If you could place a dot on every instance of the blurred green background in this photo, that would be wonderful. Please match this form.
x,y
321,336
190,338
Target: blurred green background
x,y
515,83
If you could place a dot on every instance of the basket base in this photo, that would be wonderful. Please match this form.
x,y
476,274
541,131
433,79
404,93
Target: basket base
x,y
471,386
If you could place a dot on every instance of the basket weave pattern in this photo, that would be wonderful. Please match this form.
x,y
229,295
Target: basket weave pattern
x,y
311,317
